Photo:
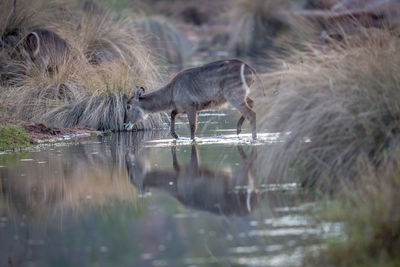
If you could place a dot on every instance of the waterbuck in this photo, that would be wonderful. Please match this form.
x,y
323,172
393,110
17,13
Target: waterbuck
x,y
195,89
44,49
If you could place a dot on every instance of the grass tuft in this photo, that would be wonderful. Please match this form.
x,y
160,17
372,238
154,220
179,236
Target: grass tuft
x,y
166,41
256,23
344,101
90,87
371,221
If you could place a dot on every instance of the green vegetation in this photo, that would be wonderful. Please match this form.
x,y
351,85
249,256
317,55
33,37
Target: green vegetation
x,y
12,137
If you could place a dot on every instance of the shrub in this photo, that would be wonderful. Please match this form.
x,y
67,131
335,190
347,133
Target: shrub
x,y
108,60
166,42
256,23
344,101
13,136
27,15
369,212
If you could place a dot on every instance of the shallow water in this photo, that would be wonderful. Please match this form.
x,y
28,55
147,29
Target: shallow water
x,y
142,199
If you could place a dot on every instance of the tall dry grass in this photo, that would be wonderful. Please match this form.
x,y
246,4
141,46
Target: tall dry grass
x,y
337,107
166,41
255,24
27,15
371,219
107,60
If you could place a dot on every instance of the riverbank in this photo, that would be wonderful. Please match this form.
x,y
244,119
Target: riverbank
x,y
15,134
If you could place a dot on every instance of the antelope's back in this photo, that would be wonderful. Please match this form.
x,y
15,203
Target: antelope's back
x,y
211,81
52,49
53,45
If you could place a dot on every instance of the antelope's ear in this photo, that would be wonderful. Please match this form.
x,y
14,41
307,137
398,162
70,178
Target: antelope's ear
x,y
137,93
141,88
32,44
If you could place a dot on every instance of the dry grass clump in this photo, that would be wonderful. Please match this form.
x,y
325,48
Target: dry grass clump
x,y
338,106
369,211
104,37
27,15
166,41
256,23
102,106
90,87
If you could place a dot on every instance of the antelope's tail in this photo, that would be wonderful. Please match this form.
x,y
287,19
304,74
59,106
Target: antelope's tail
x,y
254,73
243,78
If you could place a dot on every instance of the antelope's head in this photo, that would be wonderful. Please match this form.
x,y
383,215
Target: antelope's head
x,y
133,112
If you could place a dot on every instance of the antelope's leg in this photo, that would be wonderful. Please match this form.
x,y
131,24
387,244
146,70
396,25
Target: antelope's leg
x,y
175,159
192,117
173,116
250,103
194,158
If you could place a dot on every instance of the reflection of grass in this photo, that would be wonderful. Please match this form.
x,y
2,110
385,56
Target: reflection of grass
x,y
12,158
84,185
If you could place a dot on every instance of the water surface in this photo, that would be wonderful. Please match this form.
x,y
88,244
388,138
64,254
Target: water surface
x,y
142,199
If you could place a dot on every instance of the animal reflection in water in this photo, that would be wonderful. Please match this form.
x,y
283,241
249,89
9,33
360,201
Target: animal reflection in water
x,y
215,191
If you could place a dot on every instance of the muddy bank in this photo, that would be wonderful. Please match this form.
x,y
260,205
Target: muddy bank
x,y
19,134
39,132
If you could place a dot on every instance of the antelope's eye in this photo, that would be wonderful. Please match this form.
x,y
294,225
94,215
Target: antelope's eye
x,y
128,107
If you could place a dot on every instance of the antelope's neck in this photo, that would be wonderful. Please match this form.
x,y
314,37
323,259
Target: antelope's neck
x,y
158,100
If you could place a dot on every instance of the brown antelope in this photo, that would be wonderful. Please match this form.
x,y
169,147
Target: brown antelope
x,y
195,89
44,49
216,191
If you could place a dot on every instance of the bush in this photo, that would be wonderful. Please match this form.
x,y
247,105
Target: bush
x,y
166,42
107,60
12,137
256,23
369,212
345,102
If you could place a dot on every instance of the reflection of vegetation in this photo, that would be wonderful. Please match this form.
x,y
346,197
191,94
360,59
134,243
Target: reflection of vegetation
x,y
13,136
81,181
12,158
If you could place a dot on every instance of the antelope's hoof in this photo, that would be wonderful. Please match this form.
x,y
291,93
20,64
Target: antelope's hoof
x,y
174,135
128,126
